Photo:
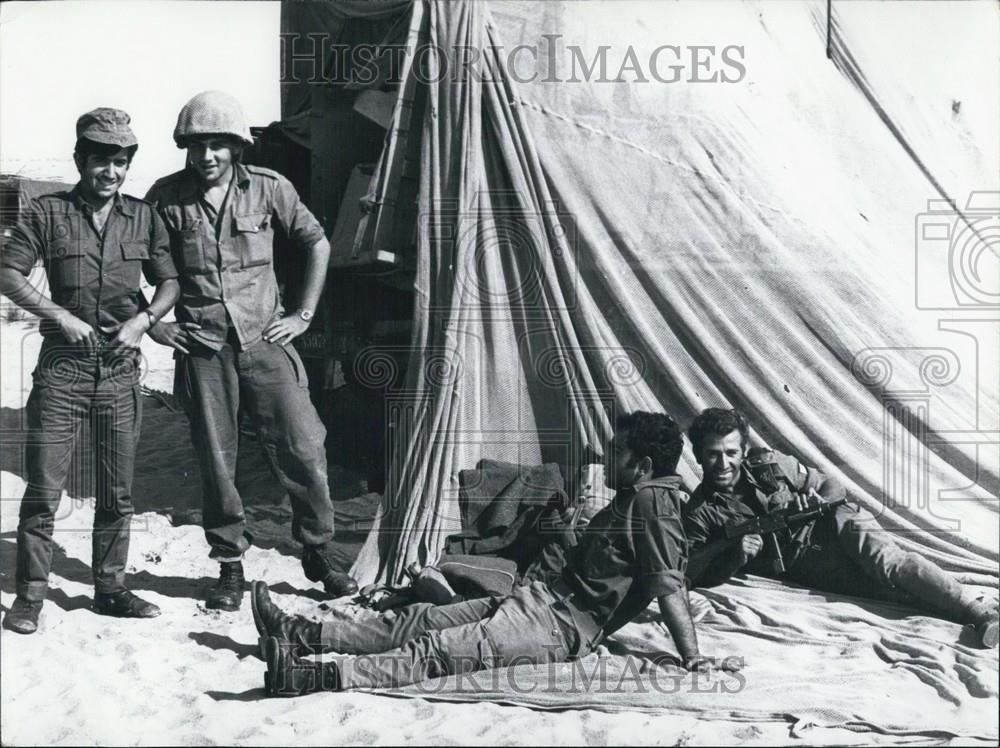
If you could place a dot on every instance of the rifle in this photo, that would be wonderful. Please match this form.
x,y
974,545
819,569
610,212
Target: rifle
x,y
789,518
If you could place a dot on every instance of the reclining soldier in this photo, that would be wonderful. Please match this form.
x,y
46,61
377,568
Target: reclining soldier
x,y
632,552
844,551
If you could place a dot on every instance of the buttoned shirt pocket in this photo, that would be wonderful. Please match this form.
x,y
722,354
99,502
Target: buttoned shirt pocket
x,y
67,268
134,253
193,249
253,236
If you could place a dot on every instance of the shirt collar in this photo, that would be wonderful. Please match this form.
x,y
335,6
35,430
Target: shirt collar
x,y
706,494
121,205
190,187
663,481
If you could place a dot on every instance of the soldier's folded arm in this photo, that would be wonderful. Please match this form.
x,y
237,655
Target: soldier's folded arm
x,y
711,562
715,563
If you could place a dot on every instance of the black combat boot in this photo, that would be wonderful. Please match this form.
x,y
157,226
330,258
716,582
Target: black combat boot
x,y
318,567
124,604
299,634
287,675
430,586
23,616
228,593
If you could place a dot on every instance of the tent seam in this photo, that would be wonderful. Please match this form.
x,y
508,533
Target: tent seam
x,y
643,149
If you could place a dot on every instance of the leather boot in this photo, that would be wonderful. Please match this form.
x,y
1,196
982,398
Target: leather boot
x,y
299,634
23,616
124,604
318,567
227,594
430,586
287,675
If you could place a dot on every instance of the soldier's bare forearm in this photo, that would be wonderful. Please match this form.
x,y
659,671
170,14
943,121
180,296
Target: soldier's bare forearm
x,y
164,298
316,267
677,616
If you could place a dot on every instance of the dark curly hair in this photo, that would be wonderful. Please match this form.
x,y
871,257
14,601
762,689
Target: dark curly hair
x,y
714,422
653,435
85,147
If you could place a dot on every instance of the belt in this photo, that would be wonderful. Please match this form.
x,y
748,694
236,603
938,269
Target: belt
x,y
590,629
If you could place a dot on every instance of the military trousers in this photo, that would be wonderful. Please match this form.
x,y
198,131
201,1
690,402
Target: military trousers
x,y
268,381
852,554
72,389
527,627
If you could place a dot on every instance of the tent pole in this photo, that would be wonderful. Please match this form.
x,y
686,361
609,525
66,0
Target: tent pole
x,y
829,14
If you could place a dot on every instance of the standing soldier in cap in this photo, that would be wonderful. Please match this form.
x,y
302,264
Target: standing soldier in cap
x,y
93,241
232,337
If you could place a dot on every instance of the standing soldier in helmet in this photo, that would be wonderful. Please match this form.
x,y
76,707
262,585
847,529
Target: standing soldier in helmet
x,y
93,242
232,337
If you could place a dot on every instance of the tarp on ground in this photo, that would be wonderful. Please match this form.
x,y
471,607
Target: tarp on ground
x,y
618,239
814,661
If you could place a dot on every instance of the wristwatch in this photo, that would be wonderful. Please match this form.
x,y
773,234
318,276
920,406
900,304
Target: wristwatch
x,y
305,315
151,316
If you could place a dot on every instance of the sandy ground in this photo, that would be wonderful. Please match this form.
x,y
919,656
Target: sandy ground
x,y
192,676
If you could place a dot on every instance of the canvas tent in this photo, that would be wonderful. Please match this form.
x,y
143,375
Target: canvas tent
x,y
604,238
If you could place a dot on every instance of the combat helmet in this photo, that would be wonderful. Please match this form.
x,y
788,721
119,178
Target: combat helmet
x,y
211,113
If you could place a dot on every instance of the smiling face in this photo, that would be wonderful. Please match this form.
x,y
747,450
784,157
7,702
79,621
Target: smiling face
x,y
212,158
721,458
101,176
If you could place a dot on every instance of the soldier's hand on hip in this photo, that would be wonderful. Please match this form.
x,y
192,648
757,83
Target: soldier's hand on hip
x,y
750,546
76,331
285,329
174,335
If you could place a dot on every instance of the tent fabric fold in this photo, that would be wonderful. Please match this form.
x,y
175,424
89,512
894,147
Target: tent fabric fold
x,y
587,248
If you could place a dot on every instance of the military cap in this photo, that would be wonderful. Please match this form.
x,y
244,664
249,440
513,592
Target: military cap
x,y
106,125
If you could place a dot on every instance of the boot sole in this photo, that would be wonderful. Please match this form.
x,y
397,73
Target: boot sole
x,y
225,606
990,635
23,630
262,646
125,614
